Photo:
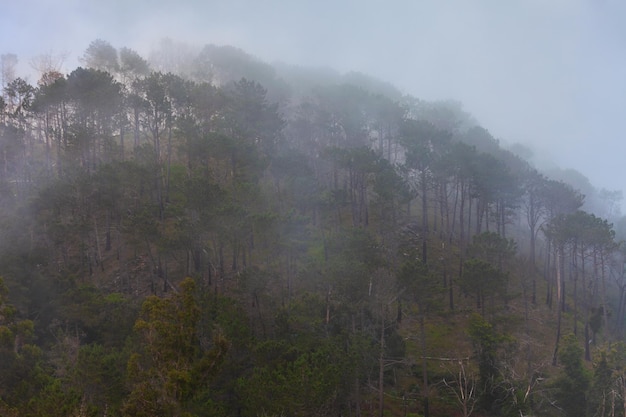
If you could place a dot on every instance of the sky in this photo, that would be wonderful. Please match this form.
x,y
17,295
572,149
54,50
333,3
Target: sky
x,y
550,74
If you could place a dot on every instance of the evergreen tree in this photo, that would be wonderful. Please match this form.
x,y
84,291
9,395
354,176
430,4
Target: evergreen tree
x,y
571,386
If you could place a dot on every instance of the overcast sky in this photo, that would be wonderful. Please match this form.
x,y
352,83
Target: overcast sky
x,y
549,73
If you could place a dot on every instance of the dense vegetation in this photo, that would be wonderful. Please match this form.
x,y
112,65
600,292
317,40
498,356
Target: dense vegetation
x,y
201,233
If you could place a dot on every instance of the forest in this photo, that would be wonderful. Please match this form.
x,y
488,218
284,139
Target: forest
x,y
200,233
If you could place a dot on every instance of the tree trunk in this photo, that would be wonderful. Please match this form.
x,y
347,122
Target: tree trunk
x,y
468,238
548,275
169,164
136,129
585,306
381,363
122,131
605,313
424,365
424,218
560,296
532,223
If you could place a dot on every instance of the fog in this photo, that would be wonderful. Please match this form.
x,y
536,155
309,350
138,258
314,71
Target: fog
x,y
549,74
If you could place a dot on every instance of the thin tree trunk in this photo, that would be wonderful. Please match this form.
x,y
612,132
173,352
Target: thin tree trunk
x,y
585,305
575,279
169,164
469,219
381,363
136,129
424,218
605,313
559,277
424,365
548,275
122,132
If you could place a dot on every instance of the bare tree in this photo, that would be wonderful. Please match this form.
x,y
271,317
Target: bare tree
x,y
8,62
463,387
48,63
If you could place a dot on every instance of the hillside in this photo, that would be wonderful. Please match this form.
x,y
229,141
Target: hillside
x,y
215,235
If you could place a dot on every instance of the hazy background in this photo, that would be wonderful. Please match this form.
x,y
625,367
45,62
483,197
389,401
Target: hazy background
x,y
547,73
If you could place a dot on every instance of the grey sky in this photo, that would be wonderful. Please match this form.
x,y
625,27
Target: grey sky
x,y
550,73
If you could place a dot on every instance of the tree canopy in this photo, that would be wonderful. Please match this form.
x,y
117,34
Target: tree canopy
x,y
202,233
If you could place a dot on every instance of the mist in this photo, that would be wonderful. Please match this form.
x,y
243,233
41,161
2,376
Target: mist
x,y
548,75
306,208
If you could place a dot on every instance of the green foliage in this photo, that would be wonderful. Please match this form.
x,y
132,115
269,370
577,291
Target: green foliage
x,y
346,262
296,216
25,383
294,380
571,386
596,320
492,248
105,318
482,280
304,371
53,401
421,284
487,343
484,273
601,385
424,142
94,375
101,55
170,364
